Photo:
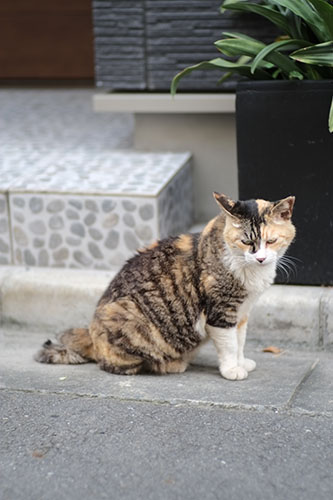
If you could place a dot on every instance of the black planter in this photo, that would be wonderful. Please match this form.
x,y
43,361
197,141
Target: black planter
x,y
284,148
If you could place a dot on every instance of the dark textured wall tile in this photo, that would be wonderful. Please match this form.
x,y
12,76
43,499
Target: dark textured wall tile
x,y
142,45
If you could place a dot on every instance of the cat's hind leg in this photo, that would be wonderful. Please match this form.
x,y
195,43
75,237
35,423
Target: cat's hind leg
x,y
127,342
180,365
121,368
174,366
111,352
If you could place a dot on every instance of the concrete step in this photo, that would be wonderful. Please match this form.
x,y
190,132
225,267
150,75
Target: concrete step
x,y
88,207
55,299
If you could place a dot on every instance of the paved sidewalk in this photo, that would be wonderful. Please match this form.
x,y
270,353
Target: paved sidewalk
x,y
75,432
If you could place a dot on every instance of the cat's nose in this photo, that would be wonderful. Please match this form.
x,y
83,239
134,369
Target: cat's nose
x,y
261,259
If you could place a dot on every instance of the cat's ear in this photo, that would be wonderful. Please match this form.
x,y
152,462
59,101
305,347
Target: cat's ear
x,y
224,202
283,209
227,204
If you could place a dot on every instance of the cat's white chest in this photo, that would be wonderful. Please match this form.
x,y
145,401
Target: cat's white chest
x,y
256,279
255,283
246,307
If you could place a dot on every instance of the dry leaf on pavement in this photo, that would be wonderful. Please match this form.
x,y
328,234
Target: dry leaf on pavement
x,y
273,349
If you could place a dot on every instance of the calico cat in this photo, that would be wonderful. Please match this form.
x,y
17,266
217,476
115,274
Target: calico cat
x,y
175,294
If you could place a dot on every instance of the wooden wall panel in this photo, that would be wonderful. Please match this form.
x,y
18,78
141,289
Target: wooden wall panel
x,y
46,39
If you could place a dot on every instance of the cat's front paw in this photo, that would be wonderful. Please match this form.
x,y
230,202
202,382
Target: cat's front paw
x,y
249,364
234,373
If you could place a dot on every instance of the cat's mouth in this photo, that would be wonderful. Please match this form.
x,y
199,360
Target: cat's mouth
x,y
259,261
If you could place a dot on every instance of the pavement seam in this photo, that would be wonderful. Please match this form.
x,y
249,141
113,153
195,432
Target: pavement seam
x,y
303,379
190,403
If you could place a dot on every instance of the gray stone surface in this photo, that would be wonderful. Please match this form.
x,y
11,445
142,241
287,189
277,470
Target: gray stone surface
x,y
45,206
43,258
129,220
110,221
146,212
4,247
95,171
55,206
56,222
76,432
171,218
38,227
36,204
3,225
112,239
108,205
55,240
29,258
20,236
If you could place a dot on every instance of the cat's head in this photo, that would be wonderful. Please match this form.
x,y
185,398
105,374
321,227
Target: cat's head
x,y
259,231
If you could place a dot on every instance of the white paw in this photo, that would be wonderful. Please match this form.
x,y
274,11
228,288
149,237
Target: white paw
x,y
234,373
249,365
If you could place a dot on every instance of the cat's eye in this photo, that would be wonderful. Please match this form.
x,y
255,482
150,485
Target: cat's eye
x,y
247,242
271,241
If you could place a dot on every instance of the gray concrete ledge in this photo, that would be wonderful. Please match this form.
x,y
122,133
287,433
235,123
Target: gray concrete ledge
x,y
164,103
51,299
54,299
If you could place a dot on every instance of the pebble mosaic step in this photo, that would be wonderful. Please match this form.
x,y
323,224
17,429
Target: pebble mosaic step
x,y
89,209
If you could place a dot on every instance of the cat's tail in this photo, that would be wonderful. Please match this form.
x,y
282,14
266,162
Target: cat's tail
x,y
75,347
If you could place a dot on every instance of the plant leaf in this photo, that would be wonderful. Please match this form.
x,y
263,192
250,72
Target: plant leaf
x,y
330,118
325,10
295,74
311,15
223,65
320,54
291,44
240,36
271,14
238,46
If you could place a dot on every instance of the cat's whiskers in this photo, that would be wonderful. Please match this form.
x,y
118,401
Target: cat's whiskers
x,y
287,265
284,269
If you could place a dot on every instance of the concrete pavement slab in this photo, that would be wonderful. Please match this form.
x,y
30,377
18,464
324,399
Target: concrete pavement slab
x,y
66,447
316,393
76,433
271,386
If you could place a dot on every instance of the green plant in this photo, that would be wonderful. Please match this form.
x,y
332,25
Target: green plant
x,y
304,49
